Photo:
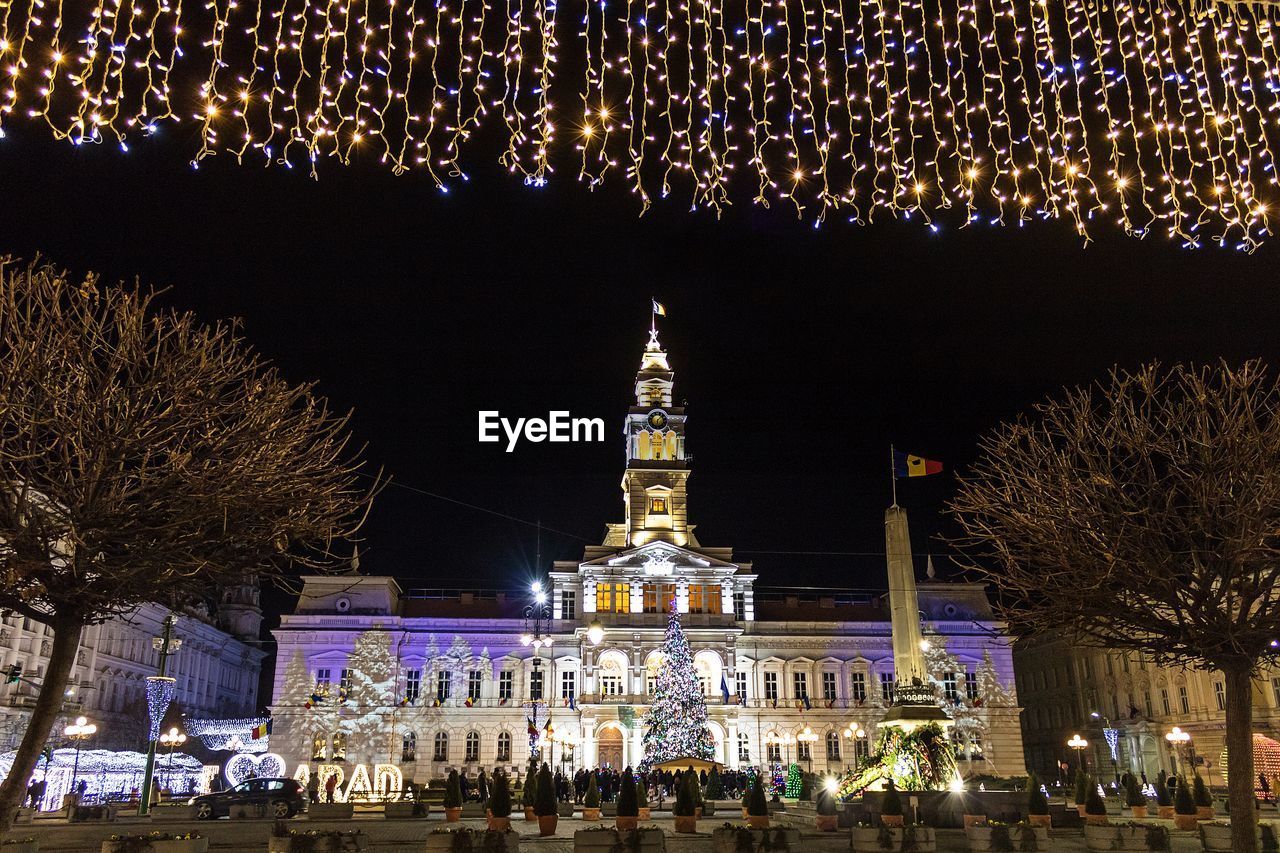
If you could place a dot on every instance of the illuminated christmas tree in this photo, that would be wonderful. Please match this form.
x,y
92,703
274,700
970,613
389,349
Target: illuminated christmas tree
x,y
794,782
676,724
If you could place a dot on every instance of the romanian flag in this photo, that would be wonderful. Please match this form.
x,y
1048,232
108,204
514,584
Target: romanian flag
x,y
906,465
469,702
262,730
316,699
659,309
533,729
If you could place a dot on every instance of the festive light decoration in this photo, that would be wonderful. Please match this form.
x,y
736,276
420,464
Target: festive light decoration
x,y
1266,762
1152,117
160,690
675,725
795,780
921,759
387,780
1112,736
246,765
105,773
324,771
236,734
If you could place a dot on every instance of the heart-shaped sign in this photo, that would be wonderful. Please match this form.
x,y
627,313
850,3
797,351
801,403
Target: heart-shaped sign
x,y
246,765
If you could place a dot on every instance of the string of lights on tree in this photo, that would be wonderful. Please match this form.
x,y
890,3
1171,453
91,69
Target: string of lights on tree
x,y
675,726
1155,117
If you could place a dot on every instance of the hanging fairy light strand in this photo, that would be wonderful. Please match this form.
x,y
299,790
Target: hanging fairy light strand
x,y
1148,115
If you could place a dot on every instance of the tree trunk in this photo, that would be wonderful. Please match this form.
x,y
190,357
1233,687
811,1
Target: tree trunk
x,y
1240,772
66,639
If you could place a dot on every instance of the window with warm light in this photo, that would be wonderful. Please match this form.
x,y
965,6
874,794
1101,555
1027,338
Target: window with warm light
x,y
658,505
704,598
613,597
504,746
658,597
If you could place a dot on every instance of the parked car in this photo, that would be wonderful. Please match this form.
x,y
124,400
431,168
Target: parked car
x,y
273,797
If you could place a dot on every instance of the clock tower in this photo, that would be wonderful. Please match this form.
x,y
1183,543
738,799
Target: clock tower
x,y
654,484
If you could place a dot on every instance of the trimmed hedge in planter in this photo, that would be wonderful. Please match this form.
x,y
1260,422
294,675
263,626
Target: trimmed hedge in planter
x,y
894,839
999,837
466,840
1127,837
735,838
605,840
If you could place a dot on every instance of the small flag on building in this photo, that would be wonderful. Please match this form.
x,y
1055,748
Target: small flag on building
x,y
261,730
807,704
316,699
503,701
533,728
469,702
573,703
724,689
906,465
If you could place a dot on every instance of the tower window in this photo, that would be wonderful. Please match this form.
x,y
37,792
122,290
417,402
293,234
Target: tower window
x,y
658,506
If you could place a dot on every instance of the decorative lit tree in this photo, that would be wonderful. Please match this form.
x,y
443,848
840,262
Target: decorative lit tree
x,y
795,780
365,716
146,457
676,724
1140,515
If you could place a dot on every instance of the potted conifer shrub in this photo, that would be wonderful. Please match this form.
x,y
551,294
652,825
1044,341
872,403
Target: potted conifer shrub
x,y
643,811
545,804
453,798
715,791
1184,806
757,805
696,790
500,804
1164,798
1037,804
1133,796
891,806
827,819
684,810
1203,799
1095,808
591,800
1082,791
628,813
529,796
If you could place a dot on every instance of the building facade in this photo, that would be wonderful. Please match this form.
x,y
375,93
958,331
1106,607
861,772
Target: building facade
x,y
1124,706
376,681
216,668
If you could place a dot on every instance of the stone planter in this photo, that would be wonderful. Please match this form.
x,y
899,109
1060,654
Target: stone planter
x,y
343,843
1043,820
984,838
885,839
1216,838
1127,838
565,809
174,812
1185,822
158,845
23,847
607,840
481,842
625,823
686,823
499,824
547,824
969,820
826,822
330,811
892,820
590,815
737,839
708,808
106,812
758,821
1095,819
403,810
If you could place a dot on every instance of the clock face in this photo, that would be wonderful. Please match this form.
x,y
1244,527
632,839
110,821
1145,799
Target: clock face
x,y
657,419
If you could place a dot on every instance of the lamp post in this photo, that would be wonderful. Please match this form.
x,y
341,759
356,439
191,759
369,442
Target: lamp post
x,y
1178,740
172,739
808,737
538,611
855,733
1079,744
1112,735
78,732
165,645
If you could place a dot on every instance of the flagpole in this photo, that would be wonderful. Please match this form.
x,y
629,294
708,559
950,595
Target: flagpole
x,y
893,475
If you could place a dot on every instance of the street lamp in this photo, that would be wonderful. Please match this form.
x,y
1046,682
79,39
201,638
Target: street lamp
x,y
1178,739
856,733
808,737
172,739
538,611
595,632
1079,744
78,732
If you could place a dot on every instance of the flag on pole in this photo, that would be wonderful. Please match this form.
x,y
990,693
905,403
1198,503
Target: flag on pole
x,y
906,465
469,701
659,309
262,730
808,706
724,689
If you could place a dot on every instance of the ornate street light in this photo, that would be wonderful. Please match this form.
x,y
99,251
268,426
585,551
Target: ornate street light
x,y
1178,740
1079,744
856,733
78,732
538,611
595,632
172,739
809,737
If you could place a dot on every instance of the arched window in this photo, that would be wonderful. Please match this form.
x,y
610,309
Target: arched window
x,y
442,747
473,747
339,745
744,750
773,749
504,746
319,748
409,747
833,746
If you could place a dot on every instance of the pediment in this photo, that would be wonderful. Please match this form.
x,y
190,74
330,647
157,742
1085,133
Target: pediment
x,y
658,559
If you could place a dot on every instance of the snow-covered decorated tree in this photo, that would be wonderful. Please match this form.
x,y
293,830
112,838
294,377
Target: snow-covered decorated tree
x,y
676,724
365,715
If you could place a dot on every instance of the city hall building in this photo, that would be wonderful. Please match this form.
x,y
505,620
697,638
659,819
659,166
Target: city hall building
x,y
379,683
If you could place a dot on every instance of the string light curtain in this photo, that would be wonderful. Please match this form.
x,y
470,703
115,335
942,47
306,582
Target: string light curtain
x,y
1155,117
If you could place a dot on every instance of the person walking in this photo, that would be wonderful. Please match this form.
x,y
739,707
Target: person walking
x,y
330,785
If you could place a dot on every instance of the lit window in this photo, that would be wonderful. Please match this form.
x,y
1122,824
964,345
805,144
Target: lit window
x,y
441,752
409,747
704,598
504,746
833,746
657,506
613,598
858,686
658,597
473,747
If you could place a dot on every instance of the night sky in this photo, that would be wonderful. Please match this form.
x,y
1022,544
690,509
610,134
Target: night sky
x,y
802,354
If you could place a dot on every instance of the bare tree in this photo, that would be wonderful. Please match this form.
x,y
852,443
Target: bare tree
x,y
1144,514
147,457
